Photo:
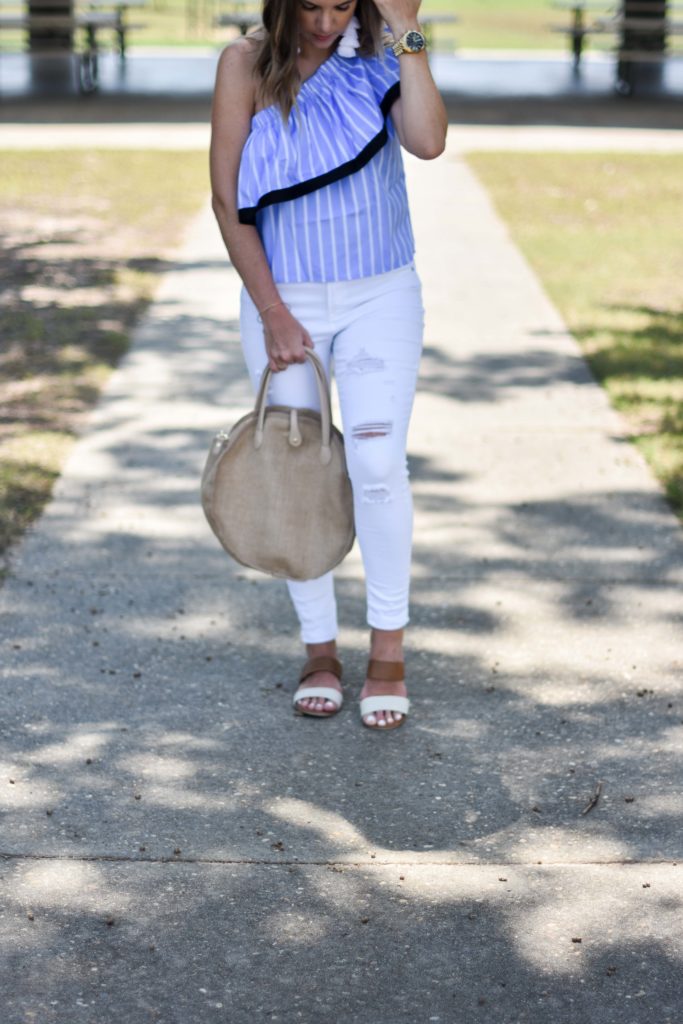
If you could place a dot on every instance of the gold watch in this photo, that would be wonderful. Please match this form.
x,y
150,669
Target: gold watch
x,y
411,41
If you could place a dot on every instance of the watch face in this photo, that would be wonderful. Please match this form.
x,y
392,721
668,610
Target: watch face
x,y
414,41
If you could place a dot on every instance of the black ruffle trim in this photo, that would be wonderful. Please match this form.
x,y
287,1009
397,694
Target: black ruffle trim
x,y
247,214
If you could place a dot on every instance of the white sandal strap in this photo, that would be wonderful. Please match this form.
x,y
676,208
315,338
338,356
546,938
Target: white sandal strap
x,y
368,705
319,691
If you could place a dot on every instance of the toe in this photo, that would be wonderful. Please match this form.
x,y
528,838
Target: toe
x,y
320,705
383,718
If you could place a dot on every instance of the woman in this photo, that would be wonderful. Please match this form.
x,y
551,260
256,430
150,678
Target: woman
x,y
308,119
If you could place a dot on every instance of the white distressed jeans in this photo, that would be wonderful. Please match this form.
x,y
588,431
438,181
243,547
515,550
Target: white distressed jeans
x,y
372,329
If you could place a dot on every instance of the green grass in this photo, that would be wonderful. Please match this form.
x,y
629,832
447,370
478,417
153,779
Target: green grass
x,y
498,24
603,233
85,236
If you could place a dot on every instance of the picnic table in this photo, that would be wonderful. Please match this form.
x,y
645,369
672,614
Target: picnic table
x,y
122,25
60,27
640,31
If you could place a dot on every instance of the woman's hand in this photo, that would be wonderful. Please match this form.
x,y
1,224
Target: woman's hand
x,y
286,339
400,15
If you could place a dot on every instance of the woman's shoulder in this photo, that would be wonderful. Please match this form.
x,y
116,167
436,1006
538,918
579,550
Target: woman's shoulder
x,y
238,60
235,88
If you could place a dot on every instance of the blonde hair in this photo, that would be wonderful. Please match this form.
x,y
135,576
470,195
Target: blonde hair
x,y
278,44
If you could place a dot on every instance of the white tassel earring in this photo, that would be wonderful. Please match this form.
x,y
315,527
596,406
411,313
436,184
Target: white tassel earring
x,y
349,43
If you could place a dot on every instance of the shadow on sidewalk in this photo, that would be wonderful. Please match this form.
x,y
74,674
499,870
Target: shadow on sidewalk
x,y
175,840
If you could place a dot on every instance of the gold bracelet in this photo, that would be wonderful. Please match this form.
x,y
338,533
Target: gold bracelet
x,y
271,306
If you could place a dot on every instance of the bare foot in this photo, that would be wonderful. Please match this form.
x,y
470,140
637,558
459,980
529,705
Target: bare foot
x,y
386,645
319,704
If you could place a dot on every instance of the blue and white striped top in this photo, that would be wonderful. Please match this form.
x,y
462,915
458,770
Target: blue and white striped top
x,y
327,190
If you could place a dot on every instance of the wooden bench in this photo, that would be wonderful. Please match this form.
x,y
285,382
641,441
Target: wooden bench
x,y
82,29
120,7
579,29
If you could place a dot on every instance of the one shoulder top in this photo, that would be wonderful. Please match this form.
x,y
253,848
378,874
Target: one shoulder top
x,y
326,191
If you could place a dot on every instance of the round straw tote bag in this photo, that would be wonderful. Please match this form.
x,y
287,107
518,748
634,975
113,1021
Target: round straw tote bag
x,y
275,489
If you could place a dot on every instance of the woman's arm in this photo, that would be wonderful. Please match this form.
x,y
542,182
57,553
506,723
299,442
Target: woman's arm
x,y
419,115
233,108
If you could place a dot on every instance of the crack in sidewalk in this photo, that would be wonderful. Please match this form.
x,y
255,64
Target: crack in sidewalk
x,y
372,862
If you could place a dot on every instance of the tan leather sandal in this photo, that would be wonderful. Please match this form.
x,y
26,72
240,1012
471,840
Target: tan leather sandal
x,y
321,664
389,672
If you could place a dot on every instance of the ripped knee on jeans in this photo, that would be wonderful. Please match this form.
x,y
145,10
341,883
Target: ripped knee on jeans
x,y
365,431
376,494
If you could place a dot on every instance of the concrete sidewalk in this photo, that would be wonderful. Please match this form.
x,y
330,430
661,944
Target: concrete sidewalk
x,y
178,848
462,137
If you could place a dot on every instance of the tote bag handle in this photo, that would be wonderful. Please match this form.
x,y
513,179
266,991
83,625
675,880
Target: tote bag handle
x,y
325,409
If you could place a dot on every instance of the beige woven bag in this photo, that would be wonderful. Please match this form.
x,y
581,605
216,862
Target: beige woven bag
x,y
275,489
